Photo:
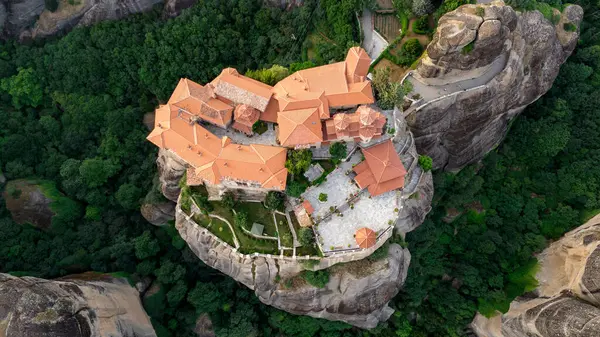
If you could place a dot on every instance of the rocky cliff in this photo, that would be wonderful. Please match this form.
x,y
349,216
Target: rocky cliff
x,y
485,64
28,203
357,292
26,19
567,301
85,305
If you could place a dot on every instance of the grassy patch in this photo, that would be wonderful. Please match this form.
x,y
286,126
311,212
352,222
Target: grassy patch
x,y
569,27
285,234
317,278
259,214
221,230
125,275
468,48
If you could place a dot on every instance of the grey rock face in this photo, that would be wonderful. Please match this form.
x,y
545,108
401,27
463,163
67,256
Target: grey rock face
x,y
360,300
158,214
567,301
85,305
174,7
83,13
28,204
21,15
170,170
460,129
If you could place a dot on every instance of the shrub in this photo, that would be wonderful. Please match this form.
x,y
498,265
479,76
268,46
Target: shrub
x,y
480,11
322,197
338,150
426,163
306,236
317,278
259,127
51,5
468,48
228,199
569,27
274,200
241,219
421,25
380,253
296,188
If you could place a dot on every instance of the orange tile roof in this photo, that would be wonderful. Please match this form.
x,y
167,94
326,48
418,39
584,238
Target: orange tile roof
x,y
357,63
343,83
365,123
365,237
242,90
213,159
200,101
385,169
299,127
244,118
308,207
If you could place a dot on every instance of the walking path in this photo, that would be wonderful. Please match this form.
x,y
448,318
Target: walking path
x,y
373,43
235,240
430,88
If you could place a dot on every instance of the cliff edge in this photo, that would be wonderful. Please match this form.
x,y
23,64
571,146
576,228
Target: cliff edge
x,y
567,299
485,64
83,305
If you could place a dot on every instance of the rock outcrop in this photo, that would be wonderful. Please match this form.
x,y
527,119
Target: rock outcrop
x,y
160,213
27,203
170,170
358,298
567,300
467,114
82,305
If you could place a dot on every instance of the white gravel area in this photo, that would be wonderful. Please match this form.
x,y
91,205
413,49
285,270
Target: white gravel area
x,y
267,138
338,188
374,213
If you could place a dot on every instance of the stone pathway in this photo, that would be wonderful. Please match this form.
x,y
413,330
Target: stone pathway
x,y
432,88
373,43
267,138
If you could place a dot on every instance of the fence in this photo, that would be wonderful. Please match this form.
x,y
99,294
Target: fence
x,y
327,261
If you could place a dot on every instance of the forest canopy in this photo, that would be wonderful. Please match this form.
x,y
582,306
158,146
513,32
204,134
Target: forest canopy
x,y
72,113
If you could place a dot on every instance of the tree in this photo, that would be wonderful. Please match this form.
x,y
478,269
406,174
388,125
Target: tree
x,y
389,94
338,151
241,219
146,246
228,200
205,297
426,163
298,161
177,293
95,171
306,236
128,196
274,200
318,278
169,272
323,197
24,88
269,76
51,5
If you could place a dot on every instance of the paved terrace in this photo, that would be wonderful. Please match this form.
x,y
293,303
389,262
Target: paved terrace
x,y
337,232
338,188
432,88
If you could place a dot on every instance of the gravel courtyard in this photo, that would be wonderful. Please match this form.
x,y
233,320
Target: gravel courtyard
x,y
338,188
374,213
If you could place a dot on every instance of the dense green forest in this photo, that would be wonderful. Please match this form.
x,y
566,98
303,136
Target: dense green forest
x,y
72,108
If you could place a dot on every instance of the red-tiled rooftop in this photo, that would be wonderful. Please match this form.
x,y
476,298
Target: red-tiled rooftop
x,y
381,171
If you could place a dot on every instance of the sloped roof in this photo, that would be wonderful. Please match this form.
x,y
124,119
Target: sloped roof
x,y
213,159
244,118
364,123
298,127
365,237
201,101
242,90
357,63
382,170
